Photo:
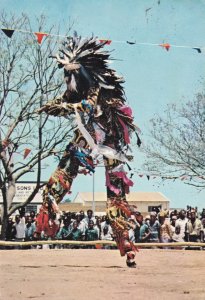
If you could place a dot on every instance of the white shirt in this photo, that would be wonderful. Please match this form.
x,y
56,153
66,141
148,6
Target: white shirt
x,y
182,224
20,229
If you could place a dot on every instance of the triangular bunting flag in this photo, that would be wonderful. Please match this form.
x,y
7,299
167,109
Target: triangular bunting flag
x,y
198,50
165,46
148,177
26,152
107,42
131,43
139,142
8,32
40,36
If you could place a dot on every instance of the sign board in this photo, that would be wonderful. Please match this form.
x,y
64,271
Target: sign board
x,y
23,191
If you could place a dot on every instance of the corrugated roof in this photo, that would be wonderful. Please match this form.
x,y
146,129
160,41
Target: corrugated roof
x,y
132,197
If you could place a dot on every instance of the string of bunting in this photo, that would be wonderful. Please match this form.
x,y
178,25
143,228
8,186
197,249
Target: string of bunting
x,y
183,177
40,35
164,177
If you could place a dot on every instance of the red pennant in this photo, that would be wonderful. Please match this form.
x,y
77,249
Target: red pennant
x,y
26,152
40,36
165,46
107,42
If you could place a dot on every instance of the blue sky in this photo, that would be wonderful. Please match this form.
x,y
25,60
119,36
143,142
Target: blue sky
x,y
154,77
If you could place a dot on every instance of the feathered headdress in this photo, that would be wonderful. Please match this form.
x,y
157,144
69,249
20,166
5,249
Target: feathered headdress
x,y
85,65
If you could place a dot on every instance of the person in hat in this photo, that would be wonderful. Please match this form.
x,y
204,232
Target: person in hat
x,y
144,230
154,227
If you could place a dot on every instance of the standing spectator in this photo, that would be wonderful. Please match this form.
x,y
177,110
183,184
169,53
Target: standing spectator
x,y
194,229
20,227
138,218
181,222
172,223
91,233
89,218
154,228
30,229
144,230
131,231
33,215
165,228
82,214
81,225
98,226
10,230
203,229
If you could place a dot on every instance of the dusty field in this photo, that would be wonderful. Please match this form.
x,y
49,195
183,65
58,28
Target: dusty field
x,y
101,274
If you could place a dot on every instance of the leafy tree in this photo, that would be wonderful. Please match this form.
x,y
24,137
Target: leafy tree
x,y
28,79
177,143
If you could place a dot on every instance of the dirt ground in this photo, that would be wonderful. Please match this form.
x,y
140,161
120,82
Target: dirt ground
x,y
101,274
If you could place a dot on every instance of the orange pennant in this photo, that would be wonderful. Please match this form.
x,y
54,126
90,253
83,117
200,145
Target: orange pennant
x,y
26,152
166,46
40,36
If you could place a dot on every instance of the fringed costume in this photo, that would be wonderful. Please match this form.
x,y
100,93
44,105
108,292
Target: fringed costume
x,y
104,123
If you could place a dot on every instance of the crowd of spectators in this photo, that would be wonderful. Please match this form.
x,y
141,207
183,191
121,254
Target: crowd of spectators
x,y
157,226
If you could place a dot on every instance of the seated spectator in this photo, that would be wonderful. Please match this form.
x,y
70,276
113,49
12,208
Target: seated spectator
x,y
144,230
65,230
177,236
154,228
29,230
106,223
75,234
165,228
106,235
194,228
91,233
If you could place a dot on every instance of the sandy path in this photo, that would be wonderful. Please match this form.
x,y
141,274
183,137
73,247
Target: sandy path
x,y
101,274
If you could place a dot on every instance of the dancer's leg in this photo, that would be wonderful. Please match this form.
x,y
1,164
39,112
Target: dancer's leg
x,y
118,211
59,184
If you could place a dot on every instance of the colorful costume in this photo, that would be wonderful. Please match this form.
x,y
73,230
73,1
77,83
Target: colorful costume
x,y
95,97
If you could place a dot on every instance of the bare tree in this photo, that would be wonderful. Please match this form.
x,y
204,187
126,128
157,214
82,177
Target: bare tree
x,y
176,147
28,79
